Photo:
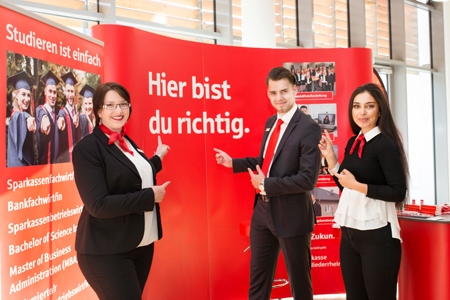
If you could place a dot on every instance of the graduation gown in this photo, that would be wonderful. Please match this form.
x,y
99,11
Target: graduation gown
x,y
20,141
48,145
66,137
84,127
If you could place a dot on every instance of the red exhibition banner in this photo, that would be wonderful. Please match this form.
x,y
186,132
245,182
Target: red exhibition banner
x,y
198,97
40,203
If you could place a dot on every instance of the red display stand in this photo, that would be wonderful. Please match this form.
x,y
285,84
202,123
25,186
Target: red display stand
x,y
326,266
425,266
325,271
196,97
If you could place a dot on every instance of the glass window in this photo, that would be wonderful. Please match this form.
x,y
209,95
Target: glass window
x,y
420,137
377,27
384,75
417,36
190,14
90,5
385,80
330,24
286,22
237,18
79,25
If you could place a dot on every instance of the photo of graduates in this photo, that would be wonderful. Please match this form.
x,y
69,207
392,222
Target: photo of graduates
x,y
48,110
313,76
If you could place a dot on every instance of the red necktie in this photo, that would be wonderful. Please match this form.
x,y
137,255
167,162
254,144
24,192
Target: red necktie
x,y
114,136
361,139
270,150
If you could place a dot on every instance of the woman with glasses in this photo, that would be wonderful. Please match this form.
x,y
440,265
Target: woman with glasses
x,y
116,181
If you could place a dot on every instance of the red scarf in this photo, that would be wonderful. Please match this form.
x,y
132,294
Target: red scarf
x,y
114,136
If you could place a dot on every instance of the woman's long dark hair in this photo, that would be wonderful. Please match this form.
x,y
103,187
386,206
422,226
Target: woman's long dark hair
x,y
385,122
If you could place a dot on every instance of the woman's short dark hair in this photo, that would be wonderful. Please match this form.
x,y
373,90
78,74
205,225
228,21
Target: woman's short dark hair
x,y
385,121
100,93
279,73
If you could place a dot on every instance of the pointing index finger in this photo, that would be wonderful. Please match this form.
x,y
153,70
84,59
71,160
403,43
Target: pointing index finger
x,y
165,184
327,135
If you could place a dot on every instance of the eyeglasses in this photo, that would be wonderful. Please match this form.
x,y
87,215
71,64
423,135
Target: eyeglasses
x,y
112,106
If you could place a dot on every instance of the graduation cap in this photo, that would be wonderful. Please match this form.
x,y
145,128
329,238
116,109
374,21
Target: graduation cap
x,y
69,78
87,91
50,79
20,80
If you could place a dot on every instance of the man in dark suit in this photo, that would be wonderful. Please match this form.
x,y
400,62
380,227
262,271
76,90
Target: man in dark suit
x,y
283,215
331,80
316,205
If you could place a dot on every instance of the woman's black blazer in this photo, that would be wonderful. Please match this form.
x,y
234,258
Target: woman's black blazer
x,y
112,220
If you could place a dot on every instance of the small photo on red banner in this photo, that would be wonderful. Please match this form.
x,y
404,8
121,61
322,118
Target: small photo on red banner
x,y
48,110
327,197
325,114
314,79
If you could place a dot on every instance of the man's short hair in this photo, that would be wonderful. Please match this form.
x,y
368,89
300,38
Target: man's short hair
x,y
279,73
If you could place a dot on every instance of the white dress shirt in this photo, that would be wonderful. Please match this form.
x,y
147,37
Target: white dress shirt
x,y
286,119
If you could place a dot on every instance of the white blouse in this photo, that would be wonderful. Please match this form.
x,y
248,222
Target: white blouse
x,y
356,210
146,173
